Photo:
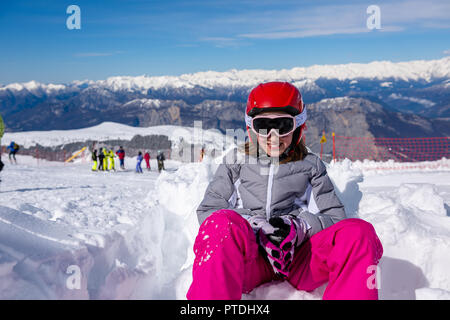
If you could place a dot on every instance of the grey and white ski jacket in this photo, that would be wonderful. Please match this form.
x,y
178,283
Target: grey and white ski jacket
x,y
261,187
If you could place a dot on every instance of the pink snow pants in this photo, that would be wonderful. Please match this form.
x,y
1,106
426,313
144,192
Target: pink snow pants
x,y
228,261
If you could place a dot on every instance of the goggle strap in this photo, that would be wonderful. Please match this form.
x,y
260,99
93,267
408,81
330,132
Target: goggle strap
x,y
300,118
248,120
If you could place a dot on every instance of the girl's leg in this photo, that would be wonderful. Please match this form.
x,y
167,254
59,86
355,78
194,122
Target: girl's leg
x,y
227,259
346,255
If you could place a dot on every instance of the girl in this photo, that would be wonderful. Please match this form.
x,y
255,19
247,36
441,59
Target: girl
x,y
271,213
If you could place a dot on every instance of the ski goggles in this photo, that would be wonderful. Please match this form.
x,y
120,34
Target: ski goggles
x,y
282,125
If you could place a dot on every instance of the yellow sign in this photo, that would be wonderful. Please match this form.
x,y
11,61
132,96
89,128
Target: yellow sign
x,y
76,154
324,139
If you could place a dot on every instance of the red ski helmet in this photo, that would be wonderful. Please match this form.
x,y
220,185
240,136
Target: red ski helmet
x,y
276,96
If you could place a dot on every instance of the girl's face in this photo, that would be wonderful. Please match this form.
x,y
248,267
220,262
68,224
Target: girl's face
x,y
274,145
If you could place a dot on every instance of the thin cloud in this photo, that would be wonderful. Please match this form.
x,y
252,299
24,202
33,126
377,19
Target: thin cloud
x,y
96,54
222,42
342,19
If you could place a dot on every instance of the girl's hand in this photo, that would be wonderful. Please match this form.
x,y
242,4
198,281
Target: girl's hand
x,y
279,237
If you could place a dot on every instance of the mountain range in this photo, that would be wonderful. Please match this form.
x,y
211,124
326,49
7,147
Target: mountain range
x,y
381,98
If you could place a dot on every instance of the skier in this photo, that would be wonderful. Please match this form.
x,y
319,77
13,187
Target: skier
x,y
94,158
271,213
105,160
147,160
101,158
160,158
121,154
138,164
111,162
13,149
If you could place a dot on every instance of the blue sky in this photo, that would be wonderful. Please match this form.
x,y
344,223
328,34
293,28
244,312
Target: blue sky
x,y
136,37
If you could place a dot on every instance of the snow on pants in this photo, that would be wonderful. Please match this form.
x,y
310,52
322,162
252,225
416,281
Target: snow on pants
x,y
228,261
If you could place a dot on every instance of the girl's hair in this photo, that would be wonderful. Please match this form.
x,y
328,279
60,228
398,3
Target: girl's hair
x,y
298,153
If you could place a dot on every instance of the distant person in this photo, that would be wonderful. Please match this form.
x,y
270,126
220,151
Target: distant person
x,y
121,154
160,158
105,159
147,160
94,158
202,154
101,158
1,164
138,164
111,162
13,149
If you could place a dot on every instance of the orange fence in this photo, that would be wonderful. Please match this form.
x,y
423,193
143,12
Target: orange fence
x,y
397,149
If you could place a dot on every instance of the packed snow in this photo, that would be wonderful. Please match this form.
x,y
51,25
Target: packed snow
x,y
130,236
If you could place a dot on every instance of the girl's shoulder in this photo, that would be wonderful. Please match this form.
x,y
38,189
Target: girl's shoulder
x,y
310,164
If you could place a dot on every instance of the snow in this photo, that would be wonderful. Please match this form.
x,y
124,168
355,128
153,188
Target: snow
x,y
114,131
426,103
131,235
34,87
303,77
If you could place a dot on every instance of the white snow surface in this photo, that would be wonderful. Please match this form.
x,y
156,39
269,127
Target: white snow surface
x,y
113,131
131,235
302,77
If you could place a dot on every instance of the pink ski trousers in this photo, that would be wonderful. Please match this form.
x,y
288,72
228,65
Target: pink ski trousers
x,y
228,261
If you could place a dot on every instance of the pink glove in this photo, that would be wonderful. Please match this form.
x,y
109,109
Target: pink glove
x,y
279,237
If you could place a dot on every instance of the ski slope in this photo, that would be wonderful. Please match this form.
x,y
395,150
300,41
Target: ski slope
x,y
116,131
130,235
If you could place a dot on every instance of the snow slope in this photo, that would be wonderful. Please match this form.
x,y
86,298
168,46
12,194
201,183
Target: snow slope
x,y
113,131
132,235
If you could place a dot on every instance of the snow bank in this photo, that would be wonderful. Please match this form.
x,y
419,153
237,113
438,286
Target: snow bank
x,y
379,167
131,236
411,220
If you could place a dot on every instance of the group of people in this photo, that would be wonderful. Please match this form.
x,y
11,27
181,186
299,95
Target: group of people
x,y
160,159
104,160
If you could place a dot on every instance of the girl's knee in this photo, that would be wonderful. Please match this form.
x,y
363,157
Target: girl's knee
x,y
223,219
357,228
361,231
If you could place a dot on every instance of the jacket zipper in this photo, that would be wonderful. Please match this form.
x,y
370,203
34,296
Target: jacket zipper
x,y
269,191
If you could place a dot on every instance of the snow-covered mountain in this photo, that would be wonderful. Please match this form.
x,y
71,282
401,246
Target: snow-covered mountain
x,y
419,87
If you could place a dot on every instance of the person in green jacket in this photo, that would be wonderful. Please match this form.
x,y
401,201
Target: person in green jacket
x,y
105,160
111,161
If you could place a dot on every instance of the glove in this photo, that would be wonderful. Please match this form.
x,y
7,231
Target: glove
x,y
278,238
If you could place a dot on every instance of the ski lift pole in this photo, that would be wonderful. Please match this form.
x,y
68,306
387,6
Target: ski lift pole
x,y
322,141
334,148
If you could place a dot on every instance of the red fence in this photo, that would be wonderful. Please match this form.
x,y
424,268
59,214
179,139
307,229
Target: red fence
x,y
397,149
